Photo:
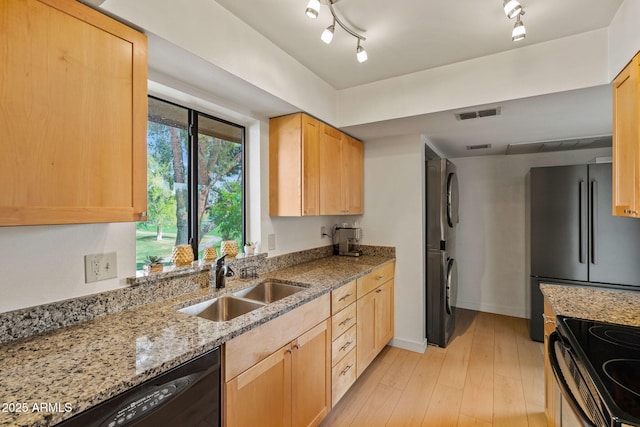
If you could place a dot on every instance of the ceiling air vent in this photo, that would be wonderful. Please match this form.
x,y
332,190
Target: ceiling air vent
x,y
560,145
478,147
475,114
467,116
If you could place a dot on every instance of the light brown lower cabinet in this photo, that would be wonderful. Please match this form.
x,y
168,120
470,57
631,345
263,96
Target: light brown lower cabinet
x,y
344,336
290,386
362,324
375,323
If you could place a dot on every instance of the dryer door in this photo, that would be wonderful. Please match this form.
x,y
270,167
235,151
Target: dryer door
x,y
452,199
451,290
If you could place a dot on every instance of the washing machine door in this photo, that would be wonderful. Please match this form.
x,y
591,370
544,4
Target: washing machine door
x,y
452,199
451,291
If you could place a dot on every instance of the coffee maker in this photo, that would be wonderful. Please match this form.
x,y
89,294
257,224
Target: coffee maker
x,y
348,241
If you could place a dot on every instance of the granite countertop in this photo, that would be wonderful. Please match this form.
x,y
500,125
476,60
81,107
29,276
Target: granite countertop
x,y
71,369
603,305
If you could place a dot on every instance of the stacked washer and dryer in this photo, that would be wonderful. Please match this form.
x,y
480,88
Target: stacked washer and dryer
x,y
442,271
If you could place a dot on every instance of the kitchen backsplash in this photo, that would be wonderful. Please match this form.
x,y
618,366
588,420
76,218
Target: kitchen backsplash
x,y
147,289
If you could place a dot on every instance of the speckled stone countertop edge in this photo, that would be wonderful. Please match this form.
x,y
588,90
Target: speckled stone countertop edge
x,y
143,323
617,306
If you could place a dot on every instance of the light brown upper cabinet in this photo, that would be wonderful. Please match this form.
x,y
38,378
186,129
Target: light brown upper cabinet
x,y
293,165
626,140
353,173
341,173
73,115
314,169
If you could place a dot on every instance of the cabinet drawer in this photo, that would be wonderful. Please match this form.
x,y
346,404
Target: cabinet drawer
x,y
343,321
343,345
374,279
343,375
343,296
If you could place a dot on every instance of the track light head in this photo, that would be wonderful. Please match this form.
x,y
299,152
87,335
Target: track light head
x,y
313,9
519,31
512,8
327,34
361,54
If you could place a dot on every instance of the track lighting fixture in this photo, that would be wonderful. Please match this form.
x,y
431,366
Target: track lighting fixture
x,y
313,9
511,8
519,32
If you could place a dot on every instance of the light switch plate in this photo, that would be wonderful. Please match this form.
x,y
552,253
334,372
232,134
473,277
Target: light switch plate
x,y
100,267
271,238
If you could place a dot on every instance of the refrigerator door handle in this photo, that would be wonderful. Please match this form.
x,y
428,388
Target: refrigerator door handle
x,y
594,221
582,222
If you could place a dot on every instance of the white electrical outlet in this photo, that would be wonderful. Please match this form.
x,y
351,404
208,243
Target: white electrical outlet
x,y
100,267
271,238
323,232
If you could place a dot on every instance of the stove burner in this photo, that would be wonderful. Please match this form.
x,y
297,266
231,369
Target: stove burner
x,y
625,338
625,373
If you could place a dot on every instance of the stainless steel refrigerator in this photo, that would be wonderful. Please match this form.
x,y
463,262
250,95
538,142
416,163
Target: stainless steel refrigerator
x,y
442,271
575,239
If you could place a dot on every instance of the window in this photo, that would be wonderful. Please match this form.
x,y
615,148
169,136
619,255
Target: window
x,y
195,182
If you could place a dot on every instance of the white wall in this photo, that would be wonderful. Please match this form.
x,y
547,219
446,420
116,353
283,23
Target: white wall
x,y
492,247
624,36
41,264
393,205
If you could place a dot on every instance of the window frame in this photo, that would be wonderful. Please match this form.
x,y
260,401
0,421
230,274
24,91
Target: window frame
x,y
192,175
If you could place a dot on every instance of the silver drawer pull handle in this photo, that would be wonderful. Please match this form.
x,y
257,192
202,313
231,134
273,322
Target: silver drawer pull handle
x,y
345,321
347,369
347,296
346,346
379,277
378,291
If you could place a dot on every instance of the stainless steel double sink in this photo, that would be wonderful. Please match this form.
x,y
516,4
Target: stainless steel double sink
x,y
229,307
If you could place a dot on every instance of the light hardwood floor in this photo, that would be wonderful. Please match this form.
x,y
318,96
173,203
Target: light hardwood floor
x,y
491,374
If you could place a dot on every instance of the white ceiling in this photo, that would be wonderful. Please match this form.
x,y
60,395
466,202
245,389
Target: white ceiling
x,y
406,36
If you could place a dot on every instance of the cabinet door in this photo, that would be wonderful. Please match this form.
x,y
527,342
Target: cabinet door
x,y
331,180
285,165
353,173
74,136
261,396
626,138
384,324
366,334
311,129
311,376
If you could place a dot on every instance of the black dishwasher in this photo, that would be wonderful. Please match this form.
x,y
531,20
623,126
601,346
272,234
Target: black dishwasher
x,y
187,395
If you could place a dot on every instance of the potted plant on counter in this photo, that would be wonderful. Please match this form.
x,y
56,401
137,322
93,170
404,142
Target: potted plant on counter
x,y
249,247
153,263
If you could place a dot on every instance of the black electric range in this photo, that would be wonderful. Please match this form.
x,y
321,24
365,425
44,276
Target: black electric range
x,y
606,359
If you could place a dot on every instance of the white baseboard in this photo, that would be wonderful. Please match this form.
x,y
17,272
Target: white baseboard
x,y
418,347
493,308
